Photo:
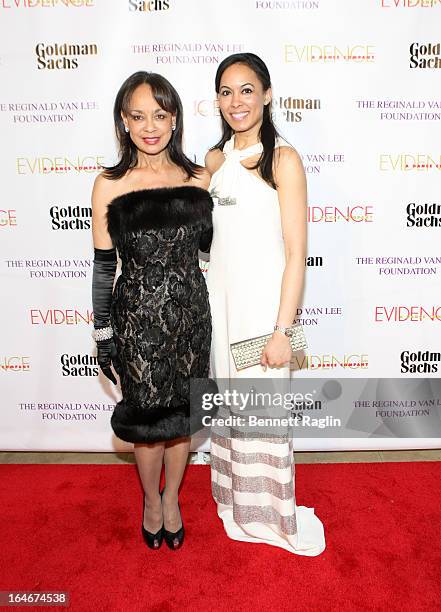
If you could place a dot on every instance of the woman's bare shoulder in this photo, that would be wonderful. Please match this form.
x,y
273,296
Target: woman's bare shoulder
x,y
106,189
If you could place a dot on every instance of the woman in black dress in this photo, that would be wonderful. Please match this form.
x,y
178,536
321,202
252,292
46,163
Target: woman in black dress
x,y
152,207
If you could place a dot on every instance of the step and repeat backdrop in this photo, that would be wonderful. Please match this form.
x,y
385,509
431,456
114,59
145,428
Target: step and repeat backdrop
x,y
356,89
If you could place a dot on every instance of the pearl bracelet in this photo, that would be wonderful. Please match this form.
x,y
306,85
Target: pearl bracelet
x,y
104,333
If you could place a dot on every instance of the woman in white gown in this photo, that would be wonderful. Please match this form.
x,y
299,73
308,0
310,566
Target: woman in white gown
x,y
255,282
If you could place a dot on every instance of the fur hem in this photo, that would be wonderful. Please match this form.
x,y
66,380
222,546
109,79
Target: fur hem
x,y
158,208
143,425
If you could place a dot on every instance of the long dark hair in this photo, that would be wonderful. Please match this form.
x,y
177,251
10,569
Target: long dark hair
x,y
168,99
268,132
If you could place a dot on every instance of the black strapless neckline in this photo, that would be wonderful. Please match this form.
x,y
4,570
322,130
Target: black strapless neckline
x,y
162,192
160,207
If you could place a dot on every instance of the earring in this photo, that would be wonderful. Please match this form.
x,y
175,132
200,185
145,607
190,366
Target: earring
x,y
126,129
173,127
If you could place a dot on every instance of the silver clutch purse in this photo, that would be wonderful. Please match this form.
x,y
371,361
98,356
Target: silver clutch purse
x,y
246,353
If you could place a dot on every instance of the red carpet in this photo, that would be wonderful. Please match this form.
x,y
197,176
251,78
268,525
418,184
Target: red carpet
x,y
77,528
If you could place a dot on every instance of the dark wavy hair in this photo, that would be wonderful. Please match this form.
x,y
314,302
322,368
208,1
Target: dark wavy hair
x,y
168,99
268,132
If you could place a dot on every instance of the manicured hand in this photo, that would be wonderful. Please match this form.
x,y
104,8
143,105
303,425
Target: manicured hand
x,y
106,354
277,352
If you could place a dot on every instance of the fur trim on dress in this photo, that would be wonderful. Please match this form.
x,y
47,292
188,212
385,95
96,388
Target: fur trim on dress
x,y
158,208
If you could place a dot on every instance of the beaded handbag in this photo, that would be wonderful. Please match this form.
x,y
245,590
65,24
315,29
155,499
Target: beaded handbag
x,y
246,353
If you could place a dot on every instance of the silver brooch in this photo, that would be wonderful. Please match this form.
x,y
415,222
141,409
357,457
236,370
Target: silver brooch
x,y
228,201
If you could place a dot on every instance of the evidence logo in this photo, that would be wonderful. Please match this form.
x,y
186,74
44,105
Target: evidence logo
x,y
403,313
62,56
420,362
405,162
357,54
8,218
206,108
423,215
353,361
56,316
426,55
409,3
149,6
32,4
79,365
357,213
59,165
15,363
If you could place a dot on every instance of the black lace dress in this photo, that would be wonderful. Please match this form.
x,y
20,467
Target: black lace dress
x,y
160,310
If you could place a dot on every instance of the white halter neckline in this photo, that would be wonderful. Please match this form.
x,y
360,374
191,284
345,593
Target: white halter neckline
x,y
239,154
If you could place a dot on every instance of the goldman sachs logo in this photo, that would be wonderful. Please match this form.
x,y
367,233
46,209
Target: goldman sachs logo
x,y
314,261
423,215
294,108
149,6
420,362
79,365
70,217
62,56
426,55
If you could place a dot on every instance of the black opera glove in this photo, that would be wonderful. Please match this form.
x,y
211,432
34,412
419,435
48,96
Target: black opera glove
x,y
106,356
104,269
205,240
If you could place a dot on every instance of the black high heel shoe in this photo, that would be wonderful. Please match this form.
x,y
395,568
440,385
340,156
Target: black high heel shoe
x,y
153,540
178,535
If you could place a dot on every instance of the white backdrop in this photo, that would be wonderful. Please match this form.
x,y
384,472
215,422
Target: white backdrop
x,y
356,91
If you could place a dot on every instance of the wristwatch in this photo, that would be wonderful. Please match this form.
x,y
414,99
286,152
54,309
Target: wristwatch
x,y
288,331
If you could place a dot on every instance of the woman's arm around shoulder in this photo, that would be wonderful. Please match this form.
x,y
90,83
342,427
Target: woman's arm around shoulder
x,y
214,160
202,179
102,194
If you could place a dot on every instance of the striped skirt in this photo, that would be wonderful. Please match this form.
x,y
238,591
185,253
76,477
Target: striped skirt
x,y
253,486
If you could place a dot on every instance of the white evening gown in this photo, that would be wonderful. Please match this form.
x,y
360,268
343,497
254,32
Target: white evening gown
x,y
252,479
